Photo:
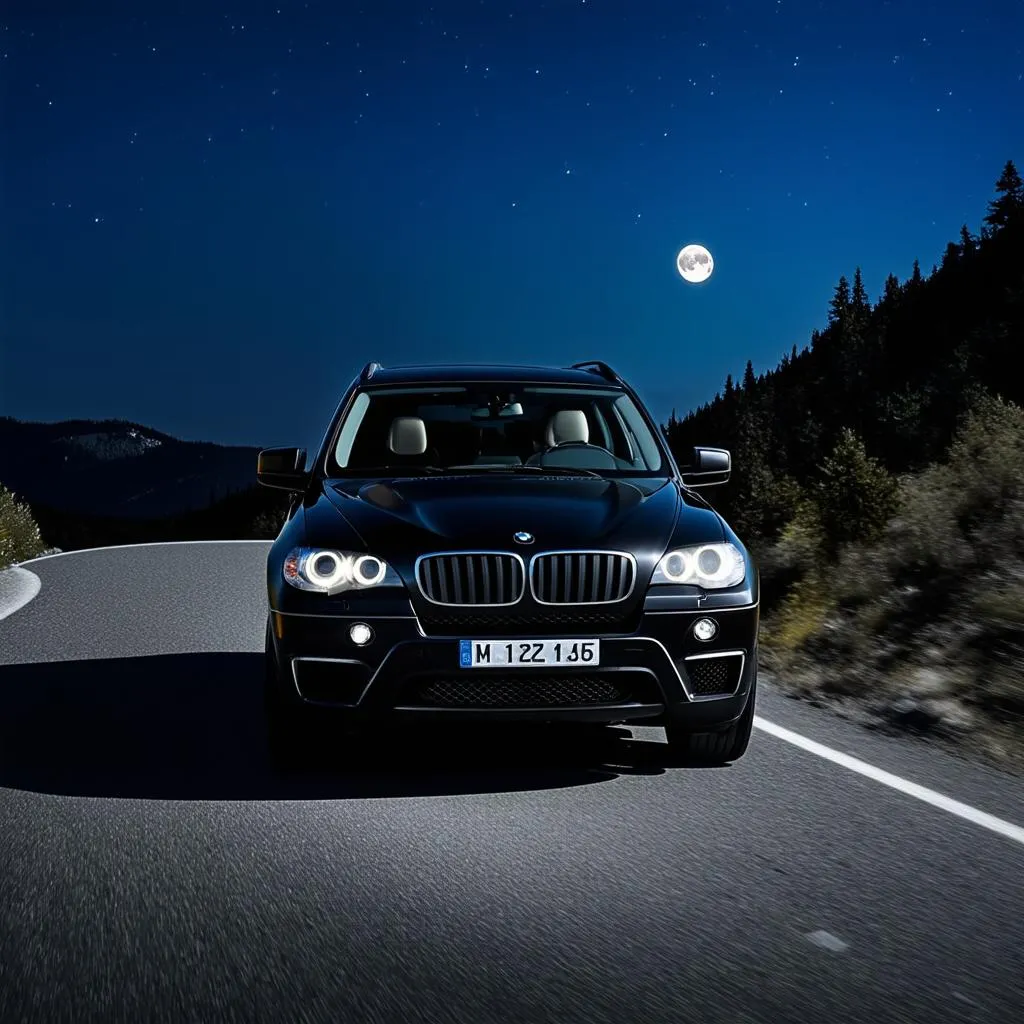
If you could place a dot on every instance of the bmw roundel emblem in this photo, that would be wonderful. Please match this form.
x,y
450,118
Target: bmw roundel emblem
x,y
522,537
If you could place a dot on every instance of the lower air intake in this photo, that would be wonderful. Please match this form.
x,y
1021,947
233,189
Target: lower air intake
x,y
716,676
535,691
326,681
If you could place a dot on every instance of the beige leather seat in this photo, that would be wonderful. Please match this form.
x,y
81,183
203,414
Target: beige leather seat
x,y
567,426
407,436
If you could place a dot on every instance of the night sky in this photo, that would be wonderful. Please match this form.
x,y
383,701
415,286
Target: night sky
x,y
211,221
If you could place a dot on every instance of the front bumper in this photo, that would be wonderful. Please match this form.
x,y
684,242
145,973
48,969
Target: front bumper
x,y
656,673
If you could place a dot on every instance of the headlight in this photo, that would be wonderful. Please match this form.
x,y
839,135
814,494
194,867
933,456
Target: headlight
x,y
711,566
331,572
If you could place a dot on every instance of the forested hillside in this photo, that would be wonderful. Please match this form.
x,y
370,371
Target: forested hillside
x,y
879,478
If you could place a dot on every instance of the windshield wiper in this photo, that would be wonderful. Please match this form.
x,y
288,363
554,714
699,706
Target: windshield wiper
x,y
540,470
391,471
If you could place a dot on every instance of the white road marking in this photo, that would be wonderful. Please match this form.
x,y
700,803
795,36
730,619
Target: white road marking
x,y
826,940
928,796
144,544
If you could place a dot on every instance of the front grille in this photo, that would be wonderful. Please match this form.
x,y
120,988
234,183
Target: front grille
x,y
471,578
582,577
519,691
714,676
567,622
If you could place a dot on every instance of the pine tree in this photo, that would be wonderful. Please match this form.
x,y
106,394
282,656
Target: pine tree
x,y
859,297
968,243
860,306
1008,205
839,306
749,380
915,277
729,388
855,494
852,355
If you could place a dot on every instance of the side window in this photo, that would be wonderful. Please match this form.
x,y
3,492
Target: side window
x,y
350,427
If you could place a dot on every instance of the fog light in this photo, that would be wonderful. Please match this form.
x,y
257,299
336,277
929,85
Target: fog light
x,y
360,634
705,629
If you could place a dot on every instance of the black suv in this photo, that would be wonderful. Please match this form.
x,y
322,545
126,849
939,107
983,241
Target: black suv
x,y
507,543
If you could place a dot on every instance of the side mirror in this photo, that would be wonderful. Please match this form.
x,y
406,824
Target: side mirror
x,y
283,468
709,468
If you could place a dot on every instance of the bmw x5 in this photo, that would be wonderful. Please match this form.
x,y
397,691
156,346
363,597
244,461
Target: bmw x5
x,y
508,544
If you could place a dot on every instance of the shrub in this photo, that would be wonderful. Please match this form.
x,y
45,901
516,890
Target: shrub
x,y
792,557
986,461
19,535
771,502
267,524
966,517
856,495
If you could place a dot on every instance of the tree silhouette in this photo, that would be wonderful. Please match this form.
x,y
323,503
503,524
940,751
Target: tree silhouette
x,y
839,307
1009,202
860,306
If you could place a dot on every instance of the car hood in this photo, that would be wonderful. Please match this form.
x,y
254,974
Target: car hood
x,y
417,514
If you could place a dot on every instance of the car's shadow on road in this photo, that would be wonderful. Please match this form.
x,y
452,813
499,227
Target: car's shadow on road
x,y
192,727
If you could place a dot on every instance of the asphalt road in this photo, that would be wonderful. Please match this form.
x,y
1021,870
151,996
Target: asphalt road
x,y
153,868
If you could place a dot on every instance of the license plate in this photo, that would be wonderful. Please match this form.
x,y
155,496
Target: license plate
x,y
528,653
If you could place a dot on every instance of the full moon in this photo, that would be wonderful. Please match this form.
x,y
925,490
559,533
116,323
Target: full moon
x,y
694,263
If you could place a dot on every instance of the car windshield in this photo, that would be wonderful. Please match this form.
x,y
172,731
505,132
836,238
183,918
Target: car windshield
x,y
495,428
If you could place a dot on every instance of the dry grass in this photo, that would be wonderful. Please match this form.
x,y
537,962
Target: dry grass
x,y
802,616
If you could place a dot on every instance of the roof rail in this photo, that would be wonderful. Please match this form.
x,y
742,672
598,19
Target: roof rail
x,y
598,367
369,370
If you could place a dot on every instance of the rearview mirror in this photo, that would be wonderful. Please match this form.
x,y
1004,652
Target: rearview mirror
x,y
709,468
485,412
283,468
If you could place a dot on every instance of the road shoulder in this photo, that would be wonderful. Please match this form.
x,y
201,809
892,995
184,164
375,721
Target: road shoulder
x,y
17,587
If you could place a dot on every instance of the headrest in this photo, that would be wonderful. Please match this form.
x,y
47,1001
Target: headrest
x,y
408,435
568,425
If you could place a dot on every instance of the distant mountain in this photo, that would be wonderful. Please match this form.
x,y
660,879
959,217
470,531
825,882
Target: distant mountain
x,y
118,469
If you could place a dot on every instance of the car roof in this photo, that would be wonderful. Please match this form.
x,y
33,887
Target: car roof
x,y
458,373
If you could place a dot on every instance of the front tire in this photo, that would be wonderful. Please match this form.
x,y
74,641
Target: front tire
x,y
713,748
